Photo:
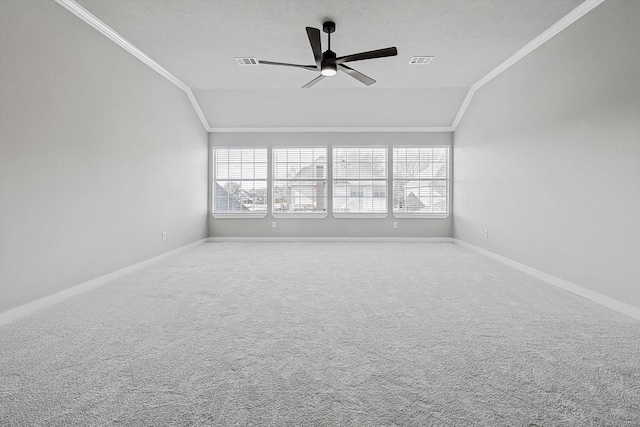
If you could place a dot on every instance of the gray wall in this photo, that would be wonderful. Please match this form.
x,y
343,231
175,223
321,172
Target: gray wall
x,y
329,226
98,156
547,157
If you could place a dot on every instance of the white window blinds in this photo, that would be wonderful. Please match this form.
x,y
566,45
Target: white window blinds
x,y
239,180
299,180
421,180
359,180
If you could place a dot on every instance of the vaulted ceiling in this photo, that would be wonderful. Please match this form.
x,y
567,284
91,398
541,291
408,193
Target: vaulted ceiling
x,y
197,41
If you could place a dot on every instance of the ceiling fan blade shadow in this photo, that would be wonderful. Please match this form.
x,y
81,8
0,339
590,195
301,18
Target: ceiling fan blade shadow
x,y
316,45
284,64
372,54
312,82
357,75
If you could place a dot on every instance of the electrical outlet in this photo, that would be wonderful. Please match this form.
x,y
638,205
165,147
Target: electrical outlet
x,y
395,224
273,224
164,235
486,234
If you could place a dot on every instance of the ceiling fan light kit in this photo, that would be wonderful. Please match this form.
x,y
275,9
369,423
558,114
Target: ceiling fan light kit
x,y
328,63
329,70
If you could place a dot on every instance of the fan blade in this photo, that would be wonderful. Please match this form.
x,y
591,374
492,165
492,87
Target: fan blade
x,y
357,75
306,67
380,53
312,82
316,46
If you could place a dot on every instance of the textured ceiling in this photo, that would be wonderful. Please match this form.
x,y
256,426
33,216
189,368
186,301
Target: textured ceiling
x,y
197,40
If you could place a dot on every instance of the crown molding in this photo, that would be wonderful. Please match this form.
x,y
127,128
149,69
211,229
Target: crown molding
x,y
332,129
111,34
333,239
548,34
571,17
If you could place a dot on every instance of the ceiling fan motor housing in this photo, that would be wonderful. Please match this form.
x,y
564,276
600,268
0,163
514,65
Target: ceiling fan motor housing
x,y
328,66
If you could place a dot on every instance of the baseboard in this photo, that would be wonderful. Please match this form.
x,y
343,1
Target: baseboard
x,y
332,239
596,297
29,308
13,314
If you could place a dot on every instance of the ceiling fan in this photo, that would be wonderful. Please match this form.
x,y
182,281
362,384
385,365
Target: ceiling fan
x,y
328,64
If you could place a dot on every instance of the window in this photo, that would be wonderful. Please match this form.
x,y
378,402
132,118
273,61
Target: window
x,y
421,181
300,180
360,180
240,181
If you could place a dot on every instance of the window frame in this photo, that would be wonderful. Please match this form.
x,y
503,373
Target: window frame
x,y
356,215
214,180
438,215
298,215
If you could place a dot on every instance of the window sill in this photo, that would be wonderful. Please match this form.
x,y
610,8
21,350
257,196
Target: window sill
x,y
359,215
311,215
238,215
409,215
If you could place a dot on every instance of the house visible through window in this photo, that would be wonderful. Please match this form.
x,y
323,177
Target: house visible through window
x,y
240,181
380,192
360,180
421,180
299,180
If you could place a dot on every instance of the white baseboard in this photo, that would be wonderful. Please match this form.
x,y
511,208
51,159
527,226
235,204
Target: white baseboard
x,y
29,308
332,239
13,314
596,297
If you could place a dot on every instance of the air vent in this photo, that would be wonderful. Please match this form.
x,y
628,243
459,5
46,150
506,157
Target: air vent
x,y
420,60
247,61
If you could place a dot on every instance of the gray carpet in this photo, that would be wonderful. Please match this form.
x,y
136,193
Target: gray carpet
x,y
322,334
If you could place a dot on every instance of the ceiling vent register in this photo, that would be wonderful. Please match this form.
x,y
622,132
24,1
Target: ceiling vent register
x,y
420,60
247,61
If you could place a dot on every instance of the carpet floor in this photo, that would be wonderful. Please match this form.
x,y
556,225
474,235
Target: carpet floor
x,y
322,334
